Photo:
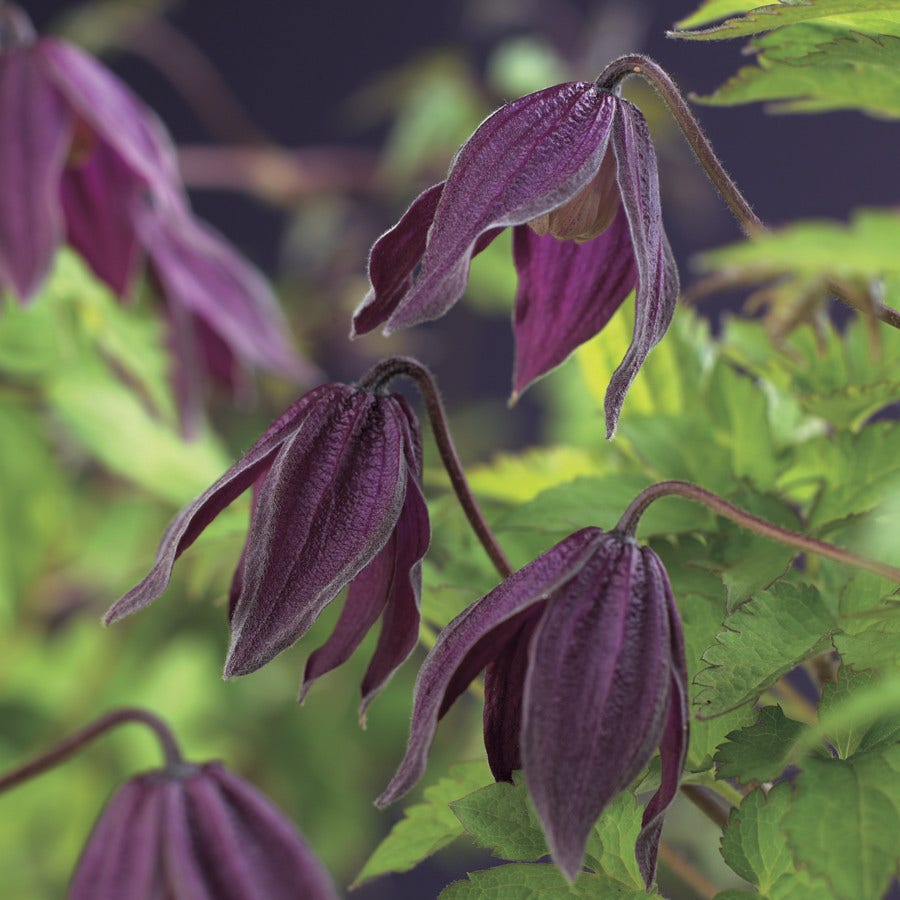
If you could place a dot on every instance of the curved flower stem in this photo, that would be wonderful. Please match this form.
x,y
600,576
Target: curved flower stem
x,y
705,803
75,742
630,518
751,224
658,78
692,877
377,378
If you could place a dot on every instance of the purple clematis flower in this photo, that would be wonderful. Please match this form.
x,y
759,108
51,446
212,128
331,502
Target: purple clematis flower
x,y
83,161
585,677
196,831
336,501
573,169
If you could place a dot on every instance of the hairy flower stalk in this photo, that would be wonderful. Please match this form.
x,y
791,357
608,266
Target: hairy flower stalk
x,y
627,525
657,77
191,830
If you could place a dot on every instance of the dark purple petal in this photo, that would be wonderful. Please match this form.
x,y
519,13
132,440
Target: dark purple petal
x,y
198,270
393,261
121,857
329,504
674,745
34,141
119,118
390,584
567,293
529,157
190,522
484,623
595,695
657,282
284,866
99,197
504,683
673,751
237,580
400,624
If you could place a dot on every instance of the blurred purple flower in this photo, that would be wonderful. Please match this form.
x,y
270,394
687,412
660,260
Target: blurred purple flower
x,y
336,501
82,160
196,832
574,163
585,678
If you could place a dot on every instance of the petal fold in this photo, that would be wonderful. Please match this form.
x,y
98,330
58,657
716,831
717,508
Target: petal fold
x,y
34,142
329,504
473,639
529,157
567,293
595,696
657,281
186,527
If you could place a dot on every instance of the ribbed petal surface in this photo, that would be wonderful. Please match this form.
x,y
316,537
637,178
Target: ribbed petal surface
x,y
190,522
567,292
99,198
473,639
121,857
657,282
528,158
674,745
329,504
393,261
196,832
34,141
198,270
595,695
114,113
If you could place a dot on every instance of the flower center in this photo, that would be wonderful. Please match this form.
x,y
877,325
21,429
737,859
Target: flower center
x,y
589,213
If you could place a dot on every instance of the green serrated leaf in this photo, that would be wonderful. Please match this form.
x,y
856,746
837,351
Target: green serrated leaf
x,y
765,638
702,620
522,476
864,248
425,827
713,11
859,15
845,821
610,847
523,881
858,712
760,752
814,71
753,842
500,818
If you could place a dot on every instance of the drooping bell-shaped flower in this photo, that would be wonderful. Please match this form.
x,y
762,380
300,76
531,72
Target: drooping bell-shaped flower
x,y
336,501
84,162
573,170
585,678
196,832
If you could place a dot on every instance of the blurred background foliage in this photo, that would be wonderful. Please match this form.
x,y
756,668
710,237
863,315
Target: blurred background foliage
x,y
801,431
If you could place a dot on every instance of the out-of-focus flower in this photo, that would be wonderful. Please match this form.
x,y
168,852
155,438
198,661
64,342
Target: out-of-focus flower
x,y
585,678
196,832
83,161
336,501
572,167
